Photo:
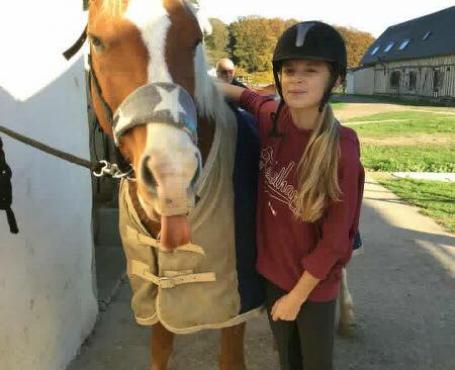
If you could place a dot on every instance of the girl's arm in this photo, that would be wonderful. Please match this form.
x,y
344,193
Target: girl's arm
x,y
287,307
231,92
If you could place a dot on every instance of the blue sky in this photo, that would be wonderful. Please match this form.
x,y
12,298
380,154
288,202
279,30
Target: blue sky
x,y
370,16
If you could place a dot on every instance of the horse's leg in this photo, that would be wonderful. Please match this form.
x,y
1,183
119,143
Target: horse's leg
x,y
232,356
346,324
161,343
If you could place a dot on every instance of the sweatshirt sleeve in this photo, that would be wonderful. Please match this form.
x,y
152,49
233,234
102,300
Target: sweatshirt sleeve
x,y
340,219
257,104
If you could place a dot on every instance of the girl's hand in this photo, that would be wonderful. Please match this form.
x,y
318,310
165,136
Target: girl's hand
x,y
287,307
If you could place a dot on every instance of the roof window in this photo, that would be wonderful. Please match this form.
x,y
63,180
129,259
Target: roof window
x,y
375,50
426,36
404,44
389,46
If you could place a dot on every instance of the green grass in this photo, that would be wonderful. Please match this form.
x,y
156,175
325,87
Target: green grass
x,y
421,158
413,142
405,123
435,198
420,101
408,141
338,105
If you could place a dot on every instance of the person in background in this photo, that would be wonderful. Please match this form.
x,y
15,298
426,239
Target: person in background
x,y
225,71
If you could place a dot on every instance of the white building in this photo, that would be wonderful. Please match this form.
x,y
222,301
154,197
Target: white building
x,y
47,295
413,59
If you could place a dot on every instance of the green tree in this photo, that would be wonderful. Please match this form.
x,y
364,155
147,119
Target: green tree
x,y
217,42
357,43
253,40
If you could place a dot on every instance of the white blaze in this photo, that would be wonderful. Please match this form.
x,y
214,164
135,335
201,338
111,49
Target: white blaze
x,y
173,156
152,20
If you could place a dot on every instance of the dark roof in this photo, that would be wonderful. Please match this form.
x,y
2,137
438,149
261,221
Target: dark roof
x,y
440,41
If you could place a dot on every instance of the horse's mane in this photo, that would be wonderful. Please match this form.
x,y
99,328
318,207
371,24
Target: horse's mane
x,y
113,7
210,100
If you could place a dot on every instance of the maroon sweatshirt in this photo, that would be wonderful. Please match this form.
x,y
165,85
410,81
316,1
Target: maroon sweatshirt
x,y
288,246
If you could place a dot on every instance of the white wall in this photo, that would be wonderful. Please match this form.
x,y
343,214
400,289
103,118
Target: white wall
x,y
350,82
47,300
361,81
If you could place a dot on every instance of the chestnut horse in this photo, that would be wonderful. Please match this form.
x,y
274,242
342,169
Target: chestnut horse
x,y
137,43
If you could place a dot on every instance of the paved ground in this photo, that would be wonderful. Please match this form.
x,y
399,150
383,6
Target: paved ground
x,y
403,287
430,176
364,106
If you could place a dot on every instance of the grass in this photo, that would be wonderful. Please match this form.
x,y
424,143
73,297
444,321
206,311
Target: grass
x,y
436,199
407,141
412,123
412,141
338,105
411,101
429,158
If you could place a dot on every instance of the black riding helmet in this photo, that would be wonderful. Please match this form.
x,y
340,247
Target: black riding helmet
x,y
312,41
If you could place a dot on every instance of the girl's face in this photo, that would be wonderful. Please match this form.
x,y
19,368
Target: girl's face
x,y
303,82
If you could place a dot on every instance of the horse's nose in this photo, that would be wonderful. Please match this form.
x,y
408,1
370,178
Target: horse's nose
x,y
169,179
147,173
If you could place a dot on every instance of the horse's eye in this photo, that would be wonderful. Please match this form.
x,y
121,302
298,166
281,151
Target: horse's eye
x,y
96,42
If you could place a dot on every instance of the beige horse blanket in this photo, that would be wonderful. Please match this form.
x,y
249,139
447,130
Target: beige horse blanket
x,y
196,286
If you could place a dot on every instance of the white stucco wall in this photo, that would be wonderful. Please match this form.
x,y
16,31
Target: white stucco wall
x,y
350,82
47,300
360,81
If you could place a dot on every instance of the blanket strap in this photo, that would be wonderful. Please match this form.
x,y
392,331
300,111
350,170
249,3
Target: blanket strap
x,y
148,240
173,279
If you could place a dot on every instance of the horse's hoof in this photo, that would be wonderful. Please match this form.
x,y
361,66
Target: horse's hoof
x,y
347,330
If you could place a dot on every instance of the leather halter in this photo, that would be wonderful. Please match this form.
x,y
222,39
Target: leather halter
x,y
122,163
188,116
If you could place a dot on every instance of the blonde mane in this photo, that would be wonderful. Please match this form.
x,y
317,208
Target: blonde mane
x,y
114,7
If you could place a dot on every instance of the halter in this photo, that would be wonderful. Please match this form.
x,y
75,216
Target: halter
x,y
150,103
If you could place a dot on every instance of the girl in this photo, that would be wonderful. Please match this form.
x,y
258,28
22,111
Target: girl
x,y
310,191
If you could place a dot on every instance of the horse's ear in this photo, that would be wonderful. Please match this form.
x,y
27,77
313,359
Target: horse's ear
x,y
198,9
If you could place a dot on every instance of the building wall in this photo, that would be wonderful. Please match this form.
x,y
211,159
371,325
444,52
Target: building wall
x,y
47,299
424,70
377,79
360,81
350,82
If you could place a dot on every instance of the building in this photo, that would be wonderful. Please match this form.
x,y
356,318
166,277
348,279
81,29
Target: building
x,y
411,59
48,302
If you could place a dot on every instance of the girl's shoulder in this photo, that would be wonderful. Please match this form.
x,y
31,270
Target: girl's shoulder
x,y
348,134
349,142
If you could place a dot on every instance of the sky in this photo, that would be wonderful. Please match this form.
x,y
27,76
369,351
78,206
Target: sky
x,y
370,16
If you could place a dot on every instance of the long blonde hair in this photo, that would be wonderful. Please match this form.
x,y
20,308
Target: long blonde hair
x,y
317,182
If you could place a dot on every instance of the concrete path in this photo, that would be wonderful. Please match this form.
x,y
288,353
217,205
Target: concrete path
x,y
429,176
403,287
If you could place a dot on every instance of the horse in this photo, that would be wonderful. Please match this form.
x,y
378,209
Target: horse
x,y
151,93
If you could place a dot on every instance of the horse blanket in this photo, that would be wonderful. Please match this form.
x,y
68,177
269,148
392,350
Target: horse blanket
x,y
212,282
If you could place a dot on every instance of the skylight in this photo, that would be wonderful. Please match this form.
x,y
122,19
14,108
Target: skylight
x,y
428,34
389,46
375,50
404,44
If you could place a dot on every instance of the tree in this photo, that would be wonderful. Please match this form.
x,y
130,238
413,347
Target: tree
x,y
253,40
357,43
216,43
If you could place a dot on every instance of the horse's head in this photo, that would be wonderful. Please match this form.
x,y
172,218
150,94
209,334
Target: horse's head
x,y
135,44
